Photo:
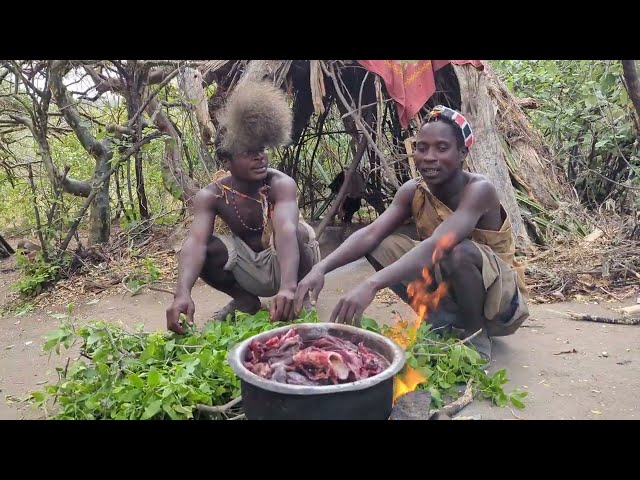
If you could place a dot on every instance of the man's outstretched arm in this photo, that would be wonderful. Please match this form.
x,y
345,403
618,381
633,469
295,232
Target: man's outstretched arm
x,y
192,257
285,226
359,244
477,200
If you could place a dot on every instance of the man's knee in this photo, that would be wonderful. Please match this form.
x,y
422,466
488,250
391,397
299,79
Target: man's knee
x,y
462,256
388,251
217,254
303,235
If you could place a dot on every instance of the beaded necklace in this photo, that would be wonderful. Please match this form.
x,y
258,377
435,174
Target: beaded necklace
x,y
263,191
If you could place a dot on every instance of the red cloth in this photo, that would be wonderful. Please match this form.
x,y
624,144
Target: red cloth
x,y
410,84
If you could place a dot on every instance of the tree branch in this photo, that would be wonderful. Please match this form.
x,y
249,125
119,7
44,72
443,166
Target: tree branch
x,y
96,188
454,407
172,156
66,105
190,83
156,75
361,126
172,63
75,187
343,189
36,211
103,83
4,74
18,73
633,83
152,96
219,408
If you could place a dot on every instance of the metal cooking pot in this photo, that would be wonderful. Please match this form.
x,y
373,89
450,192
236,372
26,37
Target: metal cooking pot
x,y
368,399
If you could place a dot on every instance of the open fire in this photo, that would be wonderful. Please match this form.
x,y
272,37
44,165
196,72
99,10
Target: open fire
x,y
422,301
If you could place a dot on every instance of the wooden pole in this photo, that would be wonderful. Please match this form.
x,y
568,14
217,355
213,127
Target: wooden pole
x,y
343,189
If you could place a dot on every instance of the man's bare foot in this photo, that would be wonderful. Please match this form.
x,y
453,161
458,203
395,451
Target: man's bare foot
x,y
250,306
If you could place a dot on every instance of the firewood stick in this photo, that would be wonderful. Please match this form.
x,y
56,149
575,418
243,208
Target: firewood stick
x,y
598,319
454,407
461,342
219,408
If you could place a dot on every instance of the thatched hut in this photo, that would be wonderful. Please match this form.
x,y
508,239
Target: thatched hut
x,y
378,116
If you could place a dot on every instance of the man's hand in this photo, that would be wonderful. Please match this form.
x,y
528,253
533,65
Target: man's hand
x,y
352,305
180,305
282,305
313,283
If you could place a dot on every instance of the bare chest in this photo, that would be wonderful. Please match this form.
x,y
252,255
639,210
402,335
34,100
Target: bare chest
x,y
245,218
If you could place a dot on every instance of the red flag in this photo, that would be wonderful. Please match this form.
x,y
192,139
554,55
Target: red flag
x,y
410,84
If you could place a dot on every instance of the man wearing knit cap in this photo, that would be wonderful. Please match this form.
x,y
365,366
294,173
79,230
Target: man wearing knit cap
x,y
466,245
269,247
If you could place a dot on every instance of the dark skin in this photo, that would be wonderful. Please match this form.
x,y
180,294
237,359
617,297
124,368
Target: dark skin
x,y
205,256
439,158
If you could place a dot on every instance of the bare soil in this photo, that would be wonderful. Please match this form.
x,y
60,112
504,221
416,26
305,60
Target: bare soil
x,y
601,380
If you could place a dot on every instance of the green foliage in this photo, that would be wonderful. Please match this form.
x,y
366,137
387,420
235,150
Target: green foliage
x,y
148,274
447,364
585,115
17,308
37,273
142,376
161,375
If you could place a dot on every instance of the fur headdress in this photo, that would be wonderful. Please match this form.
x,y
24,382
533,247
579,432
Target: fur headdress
x,y
255,116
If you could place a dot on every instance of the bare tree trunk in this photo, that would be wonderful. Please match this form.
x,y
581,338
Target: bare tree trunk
x,y
100,217
190,81
97,189
100,213
633,84
36,211
533,165
132,205
135,84
121,208
486,155
177,183
142,195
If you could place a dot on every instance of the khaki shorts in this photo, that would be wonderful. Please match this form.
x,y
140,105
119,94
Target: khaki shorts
x,y
259,272
505,308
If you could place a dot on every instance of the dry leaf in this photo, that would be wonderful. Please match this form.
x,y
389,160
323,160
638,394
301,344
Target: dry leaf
x,y
596,412
593,236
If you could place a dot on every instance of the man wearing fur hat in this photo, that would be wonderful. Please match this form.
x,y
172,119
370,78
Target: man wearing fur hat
x,y
270,248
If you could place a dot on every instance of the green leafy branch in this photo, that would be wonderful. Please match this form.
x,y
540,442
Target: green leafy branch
x,y
447,363
137,375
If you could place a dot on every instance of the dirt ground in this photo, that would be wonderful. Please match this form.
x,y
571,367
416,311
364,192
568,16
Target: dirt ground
x,y
601,380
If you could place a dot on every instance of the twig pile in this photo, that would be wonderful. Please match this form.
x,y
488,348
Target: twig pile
x,y
606,268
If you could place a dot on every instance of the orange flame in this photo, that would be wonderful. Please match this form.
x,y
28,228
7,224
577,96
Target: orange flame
x,y
422,301
406,382
442,247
